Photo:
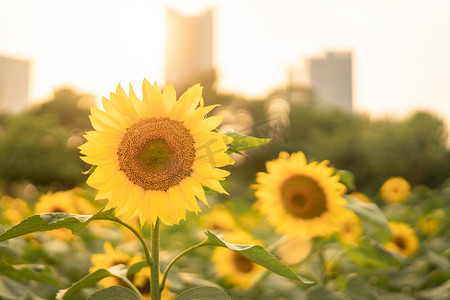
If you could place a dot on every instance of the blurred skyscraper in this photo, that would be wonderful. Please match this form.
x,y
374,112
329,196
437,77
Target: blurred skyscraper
x,y
331,79
189,50
14,84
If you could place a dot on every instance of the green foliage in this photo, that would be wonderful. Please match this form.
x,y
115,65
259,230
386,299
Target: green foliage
x,y
373,150
203,293
114,293
118,271
25,272
34,147
370,213
39,145
258,255
51,221
244,142
372,255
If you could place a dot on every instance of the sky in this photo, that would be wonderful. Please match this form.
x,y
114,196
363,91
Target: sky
x,y
401,48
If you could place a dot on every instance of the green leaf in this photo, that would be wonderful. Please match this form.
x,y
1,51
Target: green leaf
x,y
26,272
114,293
258,255
51,221
90,171
347,178
244,142
203,293
133,269
11,289
322,292
370,213
369,254
118,271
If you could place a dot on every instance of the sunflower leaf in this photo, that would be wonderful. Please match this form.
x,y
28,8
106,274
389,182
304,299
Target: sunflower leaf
x,y
51,221
322,292
24,272
369,254
90,171
244,142
370,213
347,179
114,292
135,268
258,255
118,271
203,293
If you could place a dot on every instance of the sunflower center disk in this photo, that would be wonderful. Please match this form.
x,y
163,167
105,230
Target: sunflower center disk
x,y
400,242
242,263
157,153
303,197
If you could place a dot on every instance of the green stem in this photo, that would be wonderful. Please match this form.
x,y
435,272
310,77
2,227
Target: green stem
x,y
323,263
154,271
163,281
132,286
139,236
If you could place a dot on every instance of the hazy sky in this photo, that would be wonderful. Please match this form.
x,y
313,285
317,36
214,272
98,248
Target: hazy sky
x,y
401,47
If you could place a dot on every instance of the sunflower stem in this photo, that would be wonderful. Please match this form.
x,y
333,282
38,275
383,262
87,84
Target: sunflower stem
x,y
148,258
154,271
181,254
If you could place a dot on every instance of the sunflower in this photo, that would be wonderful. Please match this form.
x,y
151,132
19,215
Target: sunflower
x,y
234,267
395,190
154,156
13,210
60,202
219,218
294,251
404,240
350,228
110,258
360,196
113,257
301,200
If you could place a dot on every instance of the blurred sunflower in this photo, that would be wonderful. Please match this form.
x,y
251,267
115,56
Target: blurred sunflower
x,y
404,240
395,190
429,224
141,279
13,210
219,218
154,156
235,268
360,196
294,251
350,228
300,199
60,202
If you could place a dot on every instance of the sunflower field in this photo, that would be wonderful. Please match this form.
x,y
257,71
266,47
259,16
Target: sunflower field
x,y
166,197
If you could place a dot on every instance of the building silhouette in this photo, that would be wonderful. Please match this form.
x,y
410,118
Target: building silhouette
x,y
14,84
189,50
331,79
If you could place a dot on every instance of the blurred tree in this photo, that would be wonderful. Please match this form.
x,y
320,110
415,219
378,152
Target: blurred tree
x,y
40,145
34,147
414,148
70,108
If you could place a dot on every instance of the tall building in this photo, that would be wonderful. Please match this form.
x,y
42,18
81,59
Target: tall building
x,y
14,84
189,49
331,79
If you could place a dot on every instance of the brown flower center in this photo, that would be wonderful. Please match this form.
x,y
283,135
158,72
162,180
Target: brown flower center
x,y
242,263
157,153
400,242
303,197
